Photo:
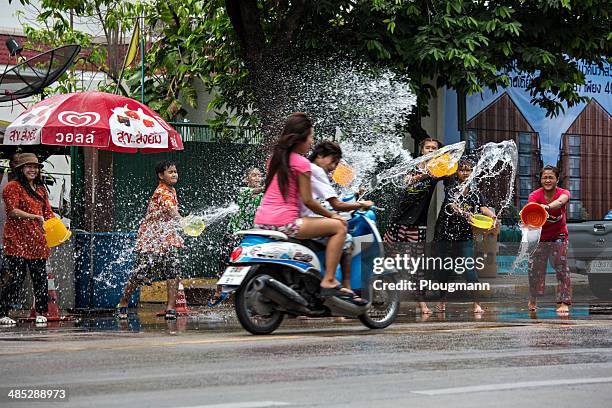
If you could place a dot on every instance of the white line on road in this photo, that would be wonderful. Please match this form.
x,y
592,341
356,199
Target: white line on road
x,y
512,386
248,404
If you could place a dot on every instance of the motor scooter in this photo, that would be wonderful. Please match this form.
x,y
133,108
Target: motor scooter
x,y
273,275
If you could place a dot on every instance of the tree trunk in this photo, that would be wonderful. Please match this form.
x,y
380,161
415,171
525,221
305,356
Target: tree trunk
x,y
267,63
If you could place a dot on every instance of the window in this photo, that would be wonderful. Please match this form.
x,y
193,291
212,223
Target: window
x,y
574,144
472,139
574,187
525,186
524,165
574,210
524,144
574,166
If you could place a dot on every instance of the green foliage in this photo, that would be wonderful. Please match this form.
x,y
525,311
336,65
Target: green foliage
x,y
465,45
61,22
469,45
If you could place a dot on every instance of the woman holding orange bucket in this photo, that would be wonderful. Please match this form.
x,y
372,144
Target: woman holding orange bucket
x,y
27,207
553,241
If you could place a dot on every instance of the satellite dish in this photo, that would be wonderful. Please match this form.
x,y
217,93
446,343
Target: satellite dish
x,y
32,76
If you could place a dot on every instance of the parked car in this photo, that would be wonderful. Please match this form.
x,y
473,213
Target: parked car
x,y
591,254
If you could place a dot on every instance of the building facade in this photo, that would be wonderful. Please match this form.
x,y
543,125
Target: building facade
x,y
586,165
502,120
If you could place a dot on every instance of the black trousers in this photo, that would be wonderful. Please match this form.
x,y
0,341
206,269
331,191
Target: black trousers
x,y
15,269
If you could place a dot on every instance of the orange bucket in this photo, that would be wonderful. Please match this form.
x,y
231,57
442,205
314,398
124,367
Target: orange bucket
x,y
344,174
533,215
55,232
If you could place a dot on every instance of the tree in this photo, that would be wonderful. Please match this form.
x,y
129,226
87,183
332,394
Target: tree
x,y
241,49
52,23
465,45
470,45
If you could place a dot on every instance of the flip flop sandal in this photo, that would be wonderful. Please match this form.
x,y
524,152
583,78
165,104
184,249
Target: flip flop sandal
x,y
121,312
217,299
7,321
340,294
358,300
170,315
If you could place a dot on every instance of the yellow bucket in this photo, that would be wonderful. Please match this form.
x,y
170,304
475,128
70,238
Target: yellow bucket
x,y
193,225
344,174
441,166
482,221
55,232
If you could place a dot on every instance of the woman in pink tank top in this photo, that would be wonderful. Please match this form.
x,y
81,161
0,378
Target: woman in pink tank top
x,y
288,183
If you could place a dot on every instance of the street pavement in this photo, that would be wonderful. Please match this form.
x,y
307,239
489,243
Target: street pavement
x,y
507,358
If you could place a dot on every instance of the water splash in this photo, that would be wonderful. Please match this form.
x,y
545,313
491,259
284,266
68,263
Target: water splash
x,y
494,175
213,214
530,239
403,165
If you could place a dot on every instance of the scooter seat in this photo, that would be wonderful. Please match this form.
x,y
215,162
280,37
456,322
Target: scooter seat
x,y
266,233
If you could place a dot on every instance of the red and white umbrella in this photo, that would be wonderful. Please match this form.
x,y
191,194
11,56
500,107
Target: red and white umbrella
x,y
93,119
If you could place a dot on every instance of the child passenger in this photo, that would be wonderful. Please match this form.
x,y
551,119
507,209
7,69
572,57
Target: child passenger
x,y
324,159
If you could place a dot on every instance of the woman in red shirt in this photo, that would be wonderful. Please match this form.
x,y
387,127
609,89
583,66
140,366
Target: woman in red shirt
x,y
553,241
27,207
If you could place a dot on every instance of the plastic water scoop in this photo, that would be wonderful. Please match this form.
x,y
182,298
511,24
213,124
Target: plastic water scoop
x,y
482,221
193,225
56,232
442,166
344,174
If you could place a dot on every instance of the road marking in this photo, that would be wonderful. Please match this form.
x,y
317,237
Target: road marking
x,y
512,386
249,404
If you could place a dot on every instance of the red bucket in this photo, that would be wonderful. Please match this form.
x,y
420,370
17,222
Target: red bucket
x,y
533,215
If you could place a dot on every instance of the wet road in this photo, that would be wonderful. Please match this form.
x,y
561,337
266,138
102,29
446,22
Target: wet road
x,y
505,359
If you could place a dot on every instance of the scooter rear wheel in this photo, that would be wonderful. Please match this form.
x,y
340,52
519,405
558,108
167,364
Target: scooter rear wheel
x,y
255,312
384,308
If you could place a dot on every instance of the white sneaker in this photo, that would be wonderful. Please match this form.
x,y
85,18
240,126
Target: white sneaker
x,y
40,319
7,321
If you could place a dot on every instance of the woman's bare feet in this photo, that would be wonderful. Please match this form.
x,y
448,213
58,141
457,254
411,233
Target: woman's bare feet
x,y
477,308
563,309
532,305
441,307
425,310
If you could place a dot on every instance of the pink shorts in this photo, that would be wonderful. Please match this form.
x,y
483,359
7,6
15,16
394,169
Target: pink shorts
x,y
291,229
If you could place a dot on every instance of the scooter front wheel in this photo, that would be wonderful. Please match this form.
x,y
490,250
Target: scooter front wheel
x,y
256,313
384,308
